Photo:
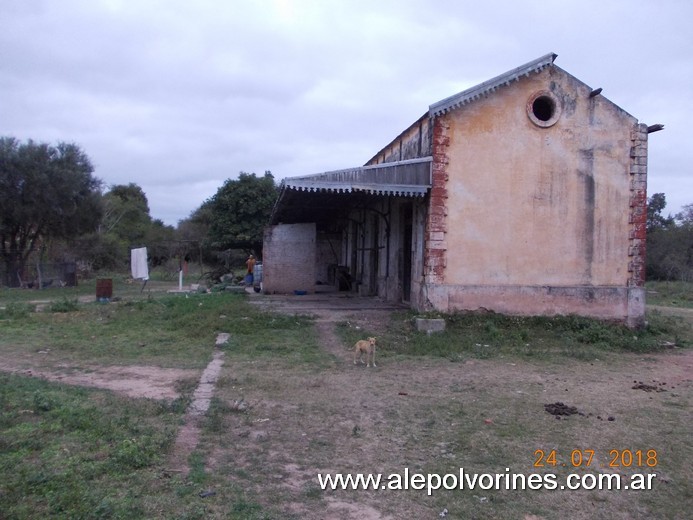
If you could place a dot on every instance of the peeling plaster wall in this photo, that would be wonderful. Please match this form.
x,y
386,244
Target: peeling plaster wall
x,y
531,219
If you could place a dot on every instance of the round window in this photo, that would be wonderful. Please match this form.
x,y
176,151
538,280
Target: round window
x,y
543,109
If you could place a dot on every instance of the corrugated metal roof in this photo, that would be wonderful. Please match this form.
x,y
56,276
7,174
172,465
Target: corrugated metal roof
x,y
483,89
411,178
400,190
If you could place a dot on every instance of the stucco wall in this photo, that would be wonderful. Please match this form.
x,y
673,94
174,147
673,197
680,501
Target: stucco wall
x,y
537,206
530,208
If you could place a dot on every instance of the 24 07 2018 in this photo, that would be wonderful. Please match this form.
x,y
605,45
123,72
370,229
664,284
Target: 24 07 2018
x,y
585,457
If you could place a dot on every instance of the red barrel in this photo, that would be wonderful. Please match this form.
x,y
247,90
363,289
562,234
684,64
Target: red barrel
x,y
104,288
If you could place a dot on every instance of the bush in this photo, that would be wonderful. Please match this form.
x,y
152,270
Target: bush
x,y
64,305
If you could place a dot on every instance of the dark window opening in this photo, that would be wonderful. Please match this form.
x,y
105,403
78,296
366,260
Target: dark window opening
x,y
543,108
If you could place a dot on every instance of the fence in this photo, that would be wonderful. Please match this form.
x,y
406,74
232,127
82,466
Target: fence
x,y
62,274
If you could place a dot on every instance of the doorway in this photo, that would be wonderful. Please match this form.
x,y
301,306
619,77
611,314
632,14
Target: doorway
x,y
406,252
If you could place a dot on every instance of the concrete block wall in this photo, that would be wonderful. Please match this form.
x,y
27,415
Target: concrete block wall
x,y
289,258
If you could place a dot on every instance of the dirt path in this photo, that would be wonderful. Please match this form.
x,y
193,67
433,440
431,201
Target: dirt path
x,y
136,381
189,435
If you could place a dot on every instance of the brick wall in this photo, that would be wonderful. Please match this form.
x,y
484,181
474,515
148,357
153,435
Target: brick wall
x,y
289,258
436,226
638,206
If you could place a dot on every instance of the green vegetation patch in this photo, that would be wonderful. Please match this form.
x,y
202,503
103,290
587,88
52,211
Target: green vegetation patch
x,y
72,453
166,330
487,335
670,294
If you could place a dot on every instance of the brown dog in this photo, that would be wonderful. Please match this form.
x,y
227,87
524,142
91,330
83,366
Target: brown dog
x,y
365,346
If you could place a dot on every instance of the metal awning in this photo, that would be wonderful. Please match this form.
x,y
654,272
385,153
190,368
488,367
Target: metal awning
x,y
329,195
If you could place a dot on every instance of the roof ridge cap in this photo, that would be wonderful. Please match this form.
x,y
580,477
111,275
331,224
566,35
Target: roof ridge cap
x,y
472,93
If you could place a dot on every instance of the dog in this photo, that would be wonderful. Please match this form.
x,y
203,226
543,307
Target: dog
x,y
365,346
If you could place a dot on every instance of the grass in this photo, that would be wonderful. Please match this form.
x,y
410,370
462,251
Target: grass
x,y
671,294
163,330
123,287
76,453
69,452
490,335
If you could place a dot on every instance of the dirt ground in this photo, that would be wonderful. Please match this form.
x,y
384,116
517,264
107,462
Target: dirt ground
x,y
132,380
407,413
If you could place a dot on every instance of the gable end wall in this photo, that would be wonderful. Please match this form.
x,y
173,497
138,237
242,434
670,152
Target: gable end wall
x,y
537,221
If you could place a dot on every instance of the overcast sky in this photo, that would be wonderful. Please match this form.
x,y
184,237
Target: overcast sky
x,y
178,96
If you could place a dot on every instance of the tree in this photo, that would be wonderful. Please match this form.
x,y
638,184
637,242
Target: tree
x,y
126,224
46,192
669,242
239,212
685,217
126,213
655,205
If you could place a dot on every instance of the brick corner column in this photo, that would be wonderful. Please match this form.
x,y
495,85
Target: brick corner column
x,y
637,218
435,259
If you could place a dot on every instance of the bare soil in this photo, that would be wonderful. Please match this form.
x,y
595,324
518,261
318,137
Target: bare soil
x,y
149,382
409,412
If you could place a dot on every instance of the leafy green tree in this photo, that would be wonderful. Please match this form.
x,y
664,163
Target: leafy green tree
x,y
655,220
46,192
161,241
126,213
685,217
239,212
669,242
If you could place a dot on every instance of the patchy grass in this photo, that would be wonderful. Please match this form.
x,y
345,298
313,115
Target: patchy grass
x,y
490,335
164,330
69,452
64,305
287,408
430,416
123,287
484,413
670,294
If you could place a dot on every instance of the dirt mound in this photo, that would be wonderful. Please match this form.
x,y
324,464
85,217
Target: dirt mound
x,y
560,409
648,388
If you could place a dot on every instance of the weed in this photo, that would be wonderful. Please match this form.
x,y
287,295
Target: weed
x,y
42,402
64,305
245,510
488,335
71,453
16,311
675,294
216,415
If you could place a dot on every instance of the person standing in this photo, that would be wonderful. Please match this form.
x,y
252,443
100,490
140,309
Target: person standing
x,y
250,263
